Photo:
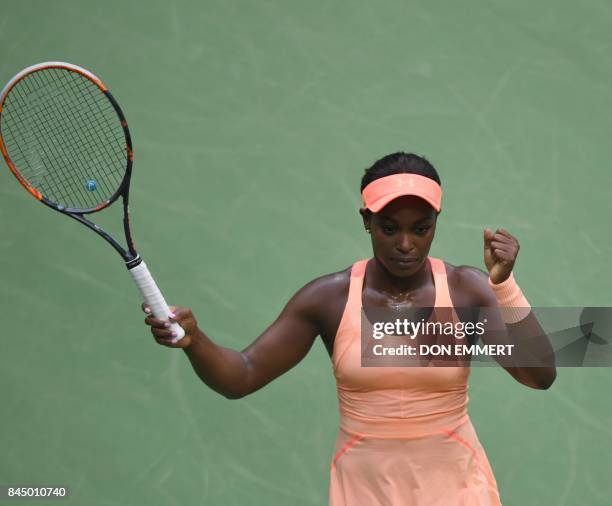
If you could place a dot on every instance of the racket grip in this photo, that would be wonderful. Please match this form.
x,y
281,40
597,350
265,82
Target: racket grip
x,y
153,296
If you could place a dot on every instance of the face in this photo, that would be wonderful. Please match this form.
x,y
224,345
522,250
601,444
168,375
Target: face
x,y
402,233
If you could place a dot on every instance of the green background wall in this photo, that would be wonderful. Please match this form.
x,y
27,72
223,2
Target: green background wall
x,y
252,124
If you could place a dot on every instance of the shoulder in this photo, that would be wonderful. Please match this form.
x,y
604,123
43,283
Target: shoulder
x,y
318,294
325,288
469,285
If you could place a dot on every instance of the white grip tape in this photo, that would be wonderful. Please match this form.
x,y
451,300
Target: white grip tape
x,y
153,297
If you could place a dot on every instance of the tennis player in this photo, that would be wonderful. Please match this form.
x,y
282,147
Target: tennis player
x,y
405,435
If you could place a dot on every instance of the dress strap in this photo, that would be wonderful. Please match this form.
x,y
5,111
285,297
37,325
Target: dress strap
x,y
356,285
358,269
350,323
438,269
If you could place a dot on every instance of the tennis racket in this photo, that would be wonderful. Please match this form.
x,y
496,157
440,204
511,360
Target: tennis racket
x,y
66,140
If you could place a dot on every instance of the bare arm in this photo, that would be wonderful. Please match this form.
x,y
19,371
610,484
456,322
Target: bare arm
x,y
281,346
532,345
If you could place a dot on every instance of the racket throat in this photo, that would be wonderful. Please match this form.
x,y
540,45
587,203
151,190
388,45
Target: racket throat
x,y
130,264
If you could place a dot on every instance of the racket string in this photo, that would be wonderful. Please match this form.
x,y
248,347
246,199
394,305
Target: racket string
x,y
88,131
35,141
48,145
119,140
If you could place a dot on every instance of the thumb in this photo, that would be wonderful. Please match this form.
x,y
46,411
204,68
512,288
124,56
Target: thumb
x,y
488,236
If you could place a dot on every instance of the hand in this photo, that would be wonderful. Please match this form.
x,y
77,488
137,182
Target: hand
x,y
500,252
163,335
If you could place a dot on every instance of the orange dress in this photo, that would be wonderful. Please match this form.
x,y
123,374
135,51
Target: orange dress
x,y
405,436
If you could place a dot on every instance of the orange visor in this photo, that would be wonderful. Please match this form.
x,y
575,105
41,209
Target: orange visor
x,y
380,192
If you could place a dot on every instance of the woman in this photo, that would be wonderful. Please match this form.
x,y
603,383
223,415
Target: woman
x,y
405,436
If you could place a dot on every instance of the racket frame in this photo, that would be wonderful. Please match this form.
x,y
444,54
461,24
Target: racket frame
x,y
129,255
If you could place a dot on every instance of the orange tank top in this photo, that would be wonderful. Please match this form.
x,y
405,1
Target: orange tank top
x,y
394,402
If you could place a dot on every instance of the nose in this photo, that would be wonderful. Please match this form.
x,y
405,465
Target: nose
x,y
404,245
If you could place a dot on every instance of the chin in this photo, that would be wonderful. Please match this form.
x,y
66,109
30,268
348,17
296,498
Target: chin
x,y
402,270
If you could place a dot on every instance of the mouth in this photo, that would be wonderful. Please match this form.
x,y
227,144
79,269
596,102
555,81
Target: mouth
x,y
405,262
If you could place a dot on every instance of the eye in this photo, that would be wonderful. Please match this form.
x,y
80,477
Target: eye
x,y
421,230
388,229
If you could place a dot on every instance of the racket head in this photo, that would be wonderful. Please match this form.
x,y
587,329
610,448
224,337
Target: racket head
x,y
65,138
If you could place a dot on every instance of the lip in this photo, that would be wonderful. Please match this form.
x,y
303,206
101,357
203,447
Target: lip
x,y
405,261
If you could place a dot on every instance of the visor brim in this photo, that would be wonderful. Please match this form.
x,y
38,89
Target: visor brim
x,y
380,203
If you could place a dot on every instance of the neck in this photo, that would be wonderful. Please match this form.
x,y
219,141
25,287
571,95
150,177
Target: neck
x,y
383,280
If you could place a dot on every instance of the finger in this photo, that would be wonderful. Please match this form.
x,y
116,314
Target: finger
x,y
170,343
145,307
180,314
163,333
503,237
154,322
501,241
505,241
508,246
505,233
505,249
168,340
503,255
